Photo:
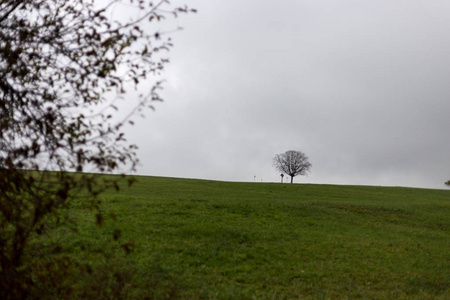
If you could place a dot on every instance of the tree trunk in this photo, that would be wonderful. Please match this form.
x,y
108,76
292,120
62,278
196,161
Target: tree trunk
x,y
292,179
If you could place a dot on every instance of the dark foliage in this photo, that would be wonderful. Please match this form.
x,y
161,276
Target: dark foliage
x,y
63,64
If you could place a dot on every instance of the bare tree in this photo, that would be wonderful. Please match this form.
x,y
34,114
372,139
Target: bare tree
x,y
292,163
63,64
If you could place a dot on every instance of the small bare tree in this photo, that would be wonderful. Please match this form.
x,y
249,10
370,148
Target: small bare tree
x,y
292,163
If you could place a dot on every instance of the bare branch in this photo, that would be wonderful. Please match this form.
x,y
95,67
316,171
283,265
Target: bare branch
x,y
292,163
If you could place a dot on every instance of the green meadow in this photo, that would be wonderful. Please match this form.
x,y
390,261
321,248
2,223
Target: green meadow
x,y
199,239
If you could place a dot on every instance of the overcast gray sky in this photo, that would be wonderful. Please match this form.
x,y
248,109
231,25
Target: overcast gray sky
x,y
361,87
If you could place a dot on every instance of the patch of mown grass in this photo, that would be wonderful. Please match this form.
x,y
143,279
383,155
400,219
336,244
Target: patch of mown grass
x,y
197,239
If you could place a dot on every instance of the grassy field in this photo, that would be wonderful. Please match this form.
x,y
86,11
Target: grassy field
x,y
198,239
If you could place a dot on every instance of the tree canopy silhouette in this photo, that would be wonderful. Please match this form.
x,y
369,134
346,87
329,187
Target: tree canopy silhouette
x,y
292,163
63,64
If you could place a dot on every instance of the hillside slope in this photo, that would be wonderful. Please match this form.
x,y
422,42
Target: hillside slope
x,y
199,239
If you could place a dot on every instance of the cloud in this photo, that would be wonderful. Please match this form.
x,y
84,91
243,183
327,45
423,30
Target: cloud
x,y
360,87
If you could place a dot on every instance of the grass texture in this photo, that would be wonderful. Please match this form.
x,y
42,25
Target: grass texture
x,y
199,239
